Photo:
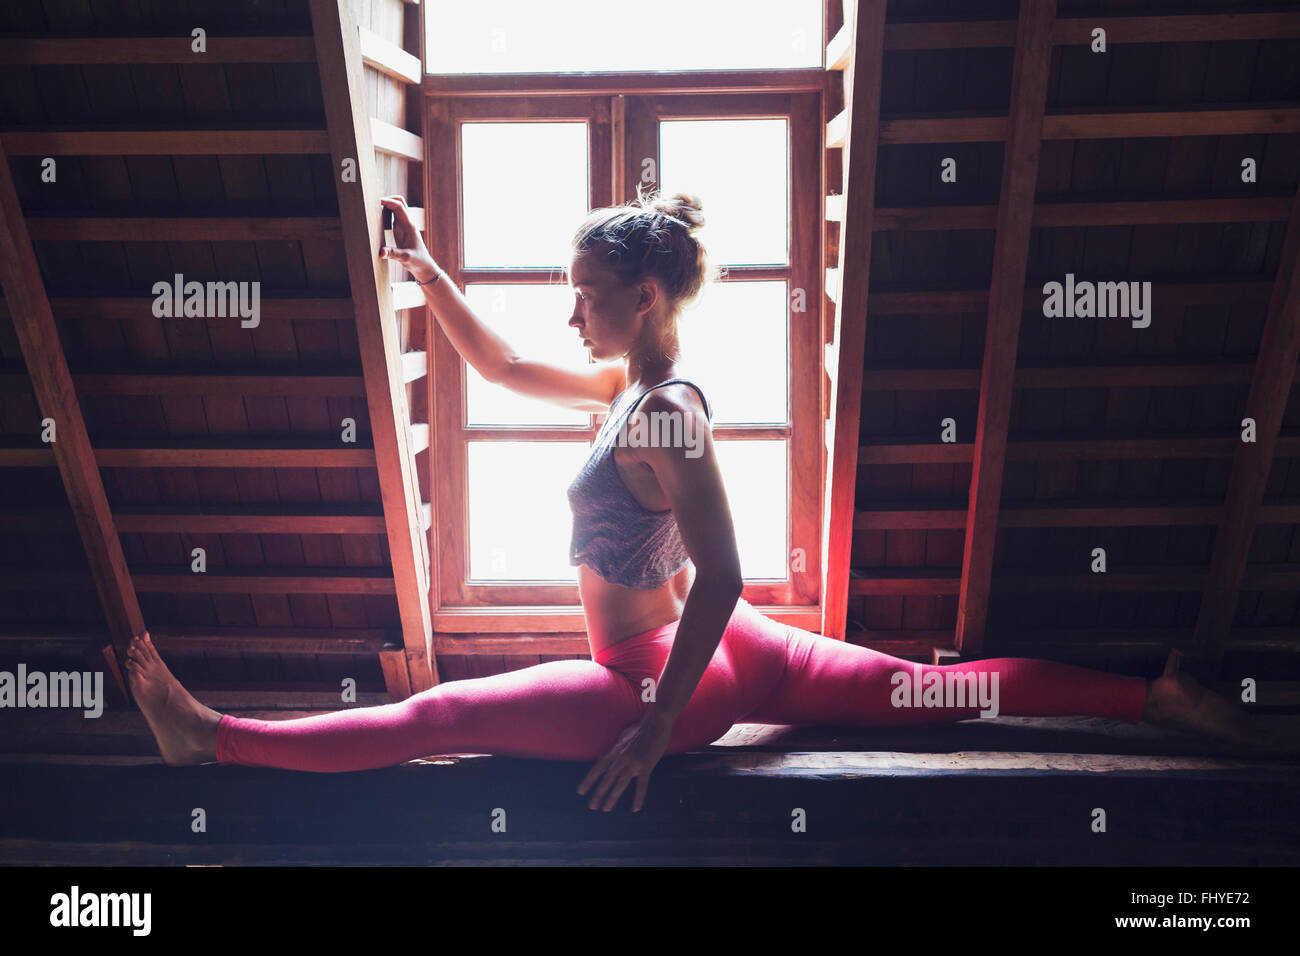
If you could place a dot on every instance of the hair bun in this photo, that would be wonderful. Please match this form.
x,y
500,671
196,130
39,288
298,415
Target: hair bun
x,y
684,207
652,235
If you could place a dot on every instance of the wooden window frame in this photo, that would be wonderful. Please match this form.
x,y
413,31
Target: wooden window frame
x,y
622,132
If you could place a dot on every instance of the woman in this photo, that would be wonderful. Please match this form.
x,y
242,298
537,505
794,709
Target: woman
x,y
677,655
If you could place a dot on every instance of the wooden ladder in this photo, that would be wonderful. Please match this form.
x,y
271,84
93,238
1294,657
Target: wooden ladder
x,y
344,52
857,50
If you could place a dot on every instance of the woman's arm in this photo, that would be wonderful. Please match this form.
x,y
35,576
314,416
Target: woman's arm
x,y
590,389
693,486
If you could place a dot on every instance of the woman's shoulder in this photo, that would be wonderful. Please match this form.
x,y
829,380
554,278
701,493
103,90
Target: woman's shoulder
x,y
678,394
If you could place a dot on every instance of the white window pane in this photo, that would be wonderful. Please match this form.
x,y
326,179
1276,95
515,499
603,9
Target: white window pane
x,y
519,518
740,170
524,36
754,474
532,318
735,345
525,192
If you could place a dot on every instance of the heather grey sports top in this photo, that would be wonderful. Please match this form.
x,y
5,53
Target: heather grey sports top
x,y
613,534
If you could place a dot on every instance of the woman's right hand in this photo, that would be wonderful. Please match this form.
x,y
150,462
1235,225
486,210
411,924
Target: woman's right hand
x,y
408,247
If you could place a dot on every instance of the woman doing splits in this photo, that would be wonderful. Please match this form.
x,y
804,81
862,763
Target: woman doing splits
x,y
677,655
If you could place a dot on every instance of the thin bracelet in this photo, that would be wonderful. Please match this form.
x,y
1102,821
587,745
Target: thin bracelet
x,y
437,275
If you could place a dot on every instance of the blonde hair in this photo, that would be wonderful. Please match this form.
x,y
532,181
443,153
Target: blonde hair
x,y
653,235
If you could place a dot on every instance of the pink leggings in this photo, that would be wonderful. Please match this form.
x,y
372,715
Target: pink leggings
x,y
762,672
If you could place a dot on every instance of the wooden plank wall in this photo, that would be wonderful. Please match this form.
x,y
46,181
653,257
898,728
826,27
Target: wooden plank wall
x,y
208,434
1119,438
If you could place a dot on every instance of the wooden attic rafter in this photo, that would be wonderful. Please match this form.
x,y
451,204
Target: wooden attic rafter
x,y
1033,60
862,106
56,396
1270,386
339,59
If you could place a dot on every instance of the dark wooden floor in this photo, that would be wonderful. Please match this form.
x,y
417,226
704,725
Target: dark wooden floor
x,y
1003,791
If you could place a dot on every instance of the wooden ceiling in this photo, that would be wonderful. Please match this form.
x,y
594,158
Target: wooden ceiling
x,y
177,434
1075,433
1071,434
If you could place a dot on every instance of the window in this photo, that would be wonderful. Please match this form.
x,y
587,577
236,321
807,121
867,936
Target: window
x,y
521,173
524,36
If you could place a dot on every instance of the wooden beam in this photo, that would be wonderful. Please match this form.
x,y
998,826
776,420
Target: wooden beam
x,y
1162,212
205,455
1153,641
1198,121
271,309
845,354
1066,515
837,128
1241,121
551,619
338,55
415,365
396,141
419,440
274,382
227,640
1059,214
1084,449
513,619
1090,516
710,82
397,678
837,51
1270,388
241,521
67,51
1191,28
1068,376
272,640
560,642
183,228
38,339
280,697
166,142
1033,61
109,656
236,454
407,295
389,58
953,302
915,581
264,581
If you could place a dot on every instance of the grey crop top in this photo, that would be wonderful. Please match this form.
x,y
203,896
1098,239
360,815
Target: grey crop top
x,y
613,534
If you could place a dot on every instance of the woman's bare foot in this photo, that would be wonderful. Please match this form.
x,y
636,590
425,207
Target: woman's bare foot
x,y
186,731
1178,701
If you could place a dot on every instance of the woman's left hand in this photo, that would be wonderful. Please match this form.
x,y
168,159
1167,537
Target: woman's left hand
x,y
634,754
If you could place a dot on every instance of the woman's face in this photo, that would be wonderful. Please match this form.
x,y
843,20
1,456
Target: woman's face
x,y
608,316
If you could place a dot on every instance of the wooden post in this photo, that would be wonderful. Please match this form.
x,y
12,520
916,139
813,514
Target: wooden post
x,y
38,337
862,106
338,58
1006,303
1275,367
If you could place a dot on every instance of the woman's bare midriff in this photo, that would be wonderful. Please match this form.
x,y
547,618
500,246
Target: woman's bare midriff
x,y
614,612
